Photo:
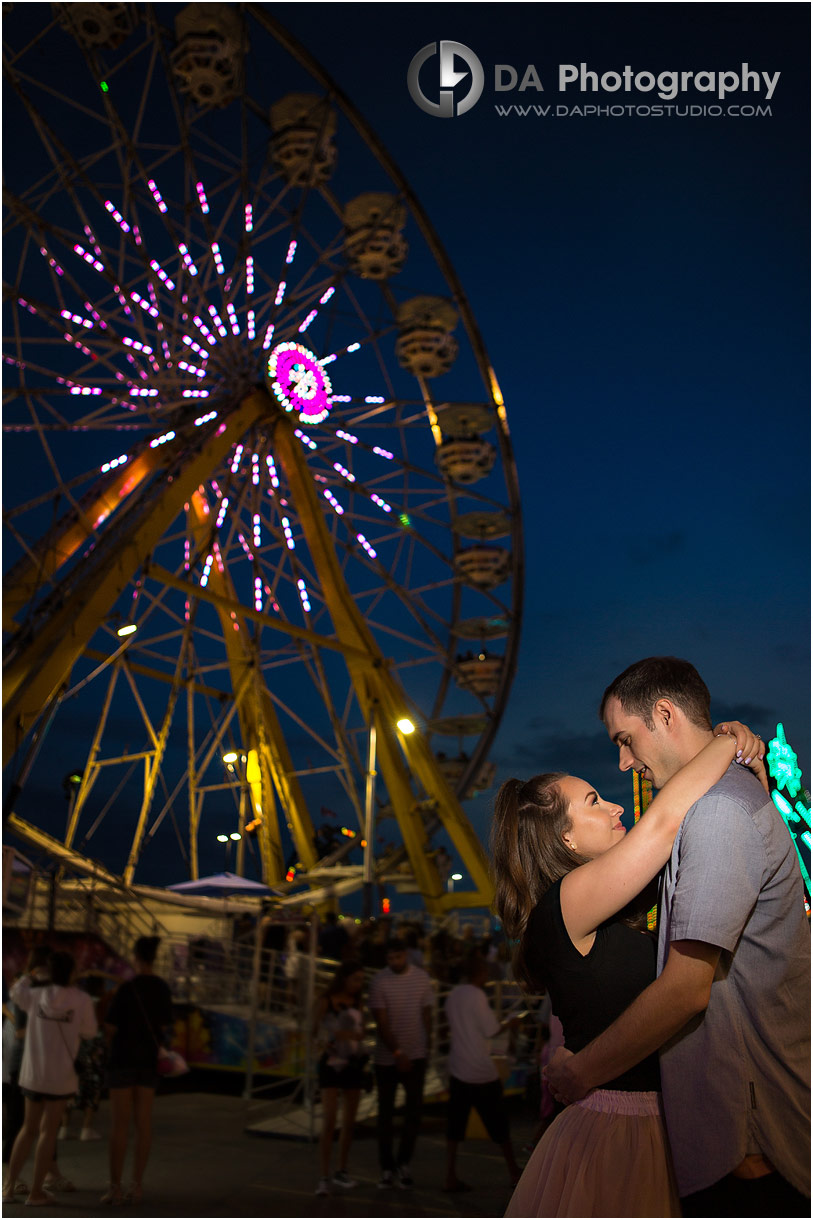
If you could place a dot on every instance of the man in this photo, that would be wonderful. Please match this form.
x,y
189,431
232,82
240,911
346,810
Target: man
x,y
401,1000
473,1077
730,1007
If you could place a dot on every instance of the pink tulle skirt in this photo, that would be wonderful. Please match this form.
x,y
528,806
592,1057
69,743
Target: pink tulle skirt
x,y
607,1155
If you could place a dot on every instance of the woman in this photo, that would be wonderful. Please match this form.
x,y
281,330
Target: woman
x,y
567,878
138,1014
58,1016
339,1030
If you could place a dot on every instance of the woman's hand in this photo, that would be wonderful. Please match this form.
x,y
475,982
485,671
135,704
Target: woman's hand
x,y
750,748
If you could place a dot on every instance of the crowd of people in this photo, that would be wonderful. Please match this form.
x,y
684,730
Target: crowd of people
x,y
62,1044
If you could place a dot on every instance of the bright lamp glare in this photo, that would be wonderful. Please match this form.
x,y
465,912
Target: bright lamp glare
x,y
406,726
457,876
235,836
222,838
127,629
230,758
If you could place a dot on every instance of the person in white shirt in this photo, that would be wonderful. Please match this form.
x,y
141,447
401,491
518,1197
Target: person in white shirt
x,y
58,1016
401,1000
473,1077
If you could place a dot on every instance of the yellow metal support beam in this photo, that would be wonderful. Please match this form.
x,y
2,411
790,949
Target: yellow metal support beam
x,y
380,695
43,662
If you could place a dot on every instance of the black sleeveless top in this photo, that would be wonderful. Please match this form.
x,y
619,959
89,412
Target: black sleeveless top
x,y
588,993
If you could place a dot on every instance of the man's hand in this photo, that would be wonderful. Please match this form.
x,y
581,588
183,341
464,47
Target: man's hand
x,y
562,1077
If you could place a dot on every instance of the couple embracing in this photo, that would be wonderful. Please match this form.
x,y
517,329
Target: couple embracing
x,y
687,1057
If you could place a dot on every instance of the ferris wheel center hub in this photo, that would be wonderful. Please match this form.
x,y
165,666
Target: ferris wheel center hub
x,y
299,383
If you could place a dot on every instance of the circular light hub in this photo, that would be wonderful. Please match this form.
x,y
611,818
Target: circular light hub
x,y
299,382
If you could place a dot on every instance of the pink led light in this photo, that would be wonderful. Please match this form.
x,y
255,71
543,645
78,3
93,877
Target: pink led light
x,y
156,194
235,325
304,325
351,478
327,296
250,323
218,321
184,253
150,309
51,261
135,343
353,347
272,470
269,336
249,275
249,218
195,394
347,436
221,270
94,262
381,503
204,205
204,330
162,275
280,293
385,453
117,216
289,257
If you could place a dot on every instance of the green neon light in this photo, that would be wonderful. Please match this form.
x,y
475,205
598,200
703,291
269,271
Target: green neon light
x,y
784,807
405,521
803,812
782,763
103,85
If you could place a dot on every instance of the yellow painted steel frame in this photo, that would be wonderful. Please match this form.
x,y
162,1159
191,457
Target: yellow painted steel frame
x,y
44,661
383,702
268,760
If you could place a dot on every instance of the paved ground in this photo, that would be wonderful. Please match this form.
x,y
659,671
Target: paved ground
x,y
203,1164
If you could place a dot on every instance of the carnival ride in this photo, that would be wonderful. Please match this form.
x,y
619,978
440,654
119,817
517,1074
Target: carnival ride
x,y
261,503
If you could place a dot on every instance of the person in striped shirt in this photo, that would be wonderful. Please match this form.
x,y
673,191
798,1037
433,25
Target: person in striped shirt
x,y
401,1000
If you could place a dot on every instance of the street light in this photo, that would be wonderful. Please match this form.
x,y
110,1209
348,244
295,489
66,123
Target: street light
x,y
228,840
450,883
406,726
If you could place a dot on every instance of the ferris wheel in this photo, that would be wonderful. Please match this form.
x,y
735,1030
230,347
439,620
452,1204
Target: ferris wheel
x,y
259,492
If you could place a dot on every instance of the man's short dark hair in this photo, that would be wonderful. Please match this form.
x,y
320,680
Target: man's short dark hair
x,y
146,948
641,685
396,945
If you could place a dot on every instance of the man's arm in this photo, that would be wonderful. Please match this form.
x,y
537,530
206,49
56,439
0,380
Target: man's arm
x,y
680,992
382,1020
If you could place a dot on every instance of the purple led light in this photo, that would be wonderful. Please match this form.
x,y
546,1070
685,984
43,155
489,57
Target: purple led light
x,y
249,218
327,296
221,270
94,262
304,325
184,253
156,194
235,325
289,257
280,292
117,216
250,323
269,335
204,205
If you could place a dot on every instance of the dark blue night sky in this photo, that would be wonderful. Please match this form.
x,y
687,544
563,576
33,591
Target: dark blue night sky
x,y
641,285
642,288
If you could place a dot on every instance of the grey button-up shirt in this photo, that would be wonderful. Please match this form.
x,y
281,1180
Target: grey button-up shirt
x,y
736,1079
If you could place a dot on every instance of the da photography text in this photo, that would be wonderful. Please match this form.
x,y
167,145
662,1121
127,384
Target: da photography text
x,y
437,70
